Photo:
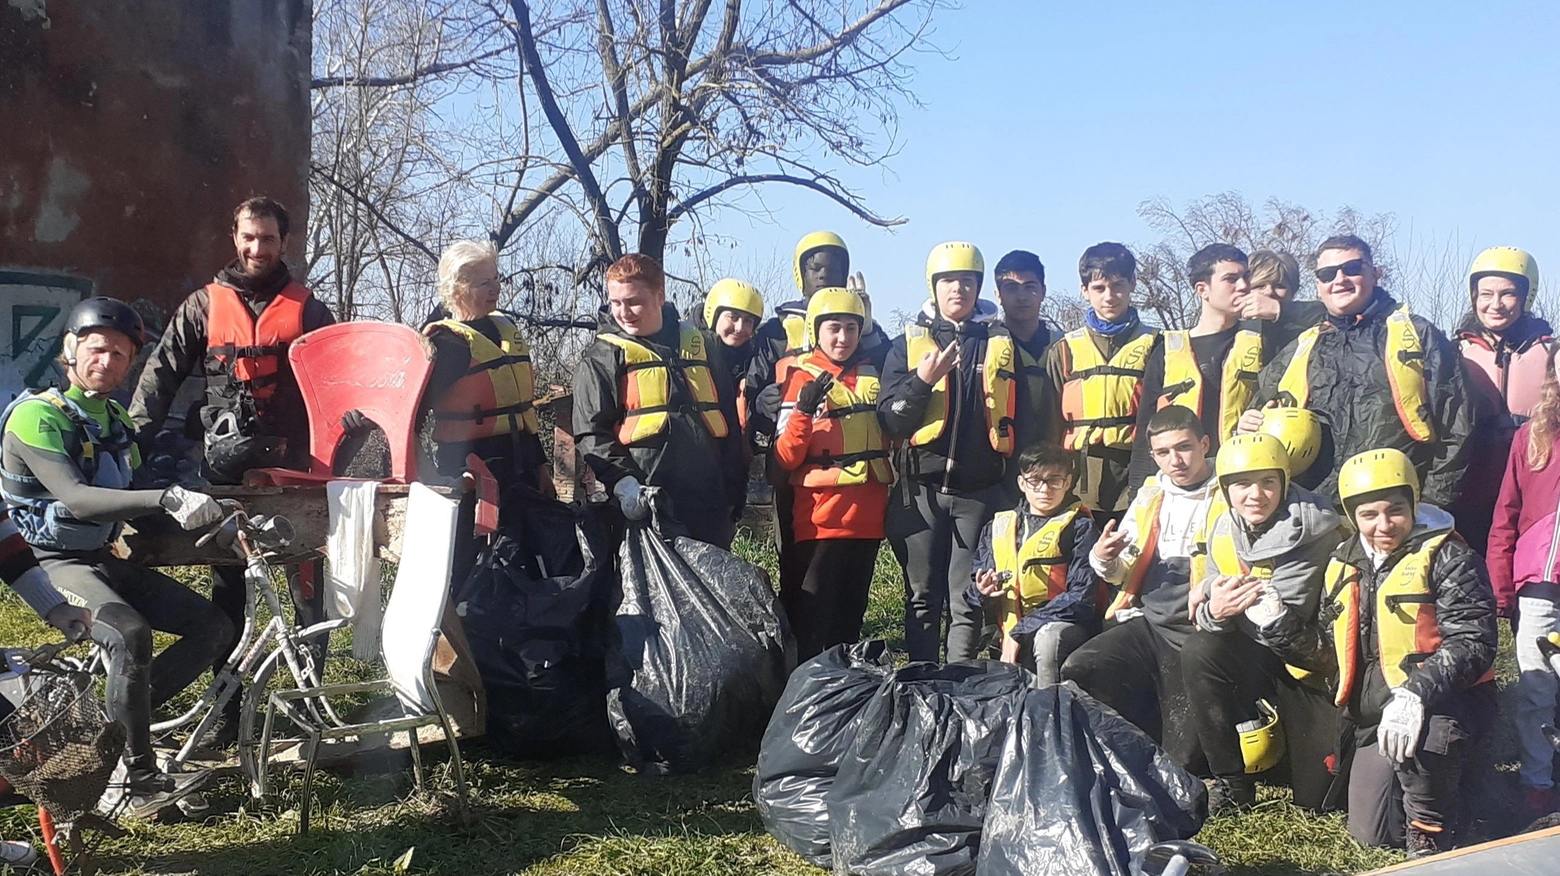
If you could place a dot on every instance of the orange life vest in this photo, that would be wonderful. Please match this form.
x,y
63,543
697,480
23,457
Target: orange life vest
x,y
497,393
241,349
846,445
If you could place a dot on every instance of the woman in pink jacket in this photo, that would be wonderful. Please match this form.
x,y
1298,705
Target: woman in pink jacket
x,y
1505,348
1524,566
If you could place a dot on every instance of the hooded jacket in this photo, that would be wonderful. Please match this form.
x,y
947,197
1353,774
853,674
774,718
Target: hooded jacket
x,y
696,469
961,459
1465,616
1525,517
182,352
1297,542
1351,392
1167,581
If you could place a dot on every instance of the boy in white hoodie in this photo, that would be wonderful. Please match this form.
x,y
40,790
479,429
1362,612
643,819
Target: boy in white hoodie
x,y
1134,665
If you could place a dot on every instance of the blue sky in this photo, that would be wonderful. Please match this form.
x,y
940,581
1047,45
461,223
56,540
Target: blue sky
x,y
1051,122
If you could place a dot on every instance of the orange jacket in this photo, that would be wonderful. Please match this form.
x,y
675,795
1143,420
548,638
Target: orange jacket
x,y
840,511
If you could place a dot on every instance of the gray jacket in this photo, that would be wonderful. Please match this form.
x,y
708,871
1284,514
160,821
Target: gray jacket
x,y
1297,544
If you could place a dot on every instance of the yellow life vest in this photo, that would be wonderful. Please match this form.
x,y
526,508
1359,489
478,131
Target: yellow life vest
x,y
1407,631
1140,556
646,386
1218,548
795,325
999,385
1405,360
1184,382
1038,566
846,446
1099,398
495,395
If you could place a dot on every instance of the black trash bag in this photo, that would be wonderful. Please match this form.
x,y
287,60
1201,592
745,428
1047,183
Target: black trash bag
x,y
911,792
808,734
1080,790
535,609
704,650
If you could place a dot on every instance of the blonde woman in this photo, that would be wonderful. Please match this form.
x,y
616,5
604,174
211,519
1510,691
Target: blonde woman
x,y
482,390
1520,551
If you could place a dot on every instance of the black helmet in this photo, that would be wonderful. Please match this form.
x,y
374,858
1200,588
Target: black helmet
x,y
106,313
231,450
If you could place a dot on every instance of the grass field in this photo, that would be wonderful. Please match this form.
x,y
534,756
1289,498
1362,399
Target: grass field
x,y
589,816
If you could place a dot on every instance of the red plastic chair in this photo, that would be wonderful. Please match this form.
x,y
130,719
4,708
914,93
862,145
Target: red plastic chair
x,y
378,368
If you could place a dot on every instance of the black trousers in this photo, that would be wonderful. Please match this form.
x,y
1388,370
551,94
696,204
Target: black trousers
x,y
824,591
306,586
1132,669
128,603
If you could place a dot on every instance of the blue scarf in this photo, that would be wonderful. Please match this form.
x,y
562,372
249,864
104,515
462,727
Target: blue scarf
x,y
1111,329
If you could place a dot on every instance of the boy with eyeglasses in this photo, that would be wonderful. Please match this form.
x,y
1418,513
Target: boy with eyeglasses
x,y
1379,376
1032,573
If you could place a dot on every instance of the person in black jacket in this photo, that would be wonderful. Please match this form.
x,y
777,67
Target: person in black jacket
x,y
951,391
1378,376
1408,623
654,407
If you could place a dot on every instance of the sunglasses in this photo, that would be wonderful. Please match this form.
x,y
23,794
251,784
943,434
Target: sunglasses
x,y
1352,268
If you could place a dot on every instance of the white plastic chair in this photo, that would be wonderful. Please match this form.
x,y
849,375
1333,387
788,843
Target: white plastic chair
x,y
410,632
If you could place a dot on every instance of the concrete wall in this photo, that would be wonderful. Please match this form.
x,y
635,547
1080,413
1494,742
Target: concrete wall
x,y
132,128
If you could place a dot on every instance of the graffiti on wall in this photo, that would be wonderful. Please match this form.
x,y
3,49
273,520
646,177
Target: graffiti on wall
x,y
33,307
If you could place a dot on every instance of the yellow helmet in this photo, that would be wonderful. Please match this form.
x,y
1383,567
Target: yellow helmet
x,y
1504,260
1262,742
949,257
1373,471
810,242
734,295
1301,432
1243,454
832,301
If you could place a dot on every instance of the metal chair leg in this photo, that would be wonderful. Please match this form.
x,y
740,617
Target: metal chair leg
x,y
312,753
417,765
457,770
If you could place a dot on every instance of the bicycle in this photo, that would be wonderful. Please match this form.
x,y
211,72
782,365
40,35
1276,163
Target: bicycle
x,y
60,748
258,653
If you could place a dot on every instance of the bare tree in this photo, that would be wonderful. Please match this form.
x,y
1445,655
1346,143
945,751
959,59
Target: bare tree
x,y
575,130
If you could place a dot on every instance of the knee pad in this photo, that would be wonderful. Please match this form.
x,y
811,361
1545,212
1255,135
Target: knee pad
x,y
119,627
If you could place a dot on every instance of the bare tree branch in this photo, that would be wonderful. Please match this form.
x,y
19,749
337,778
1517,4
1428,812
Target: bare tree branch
x,y
346,81
692,201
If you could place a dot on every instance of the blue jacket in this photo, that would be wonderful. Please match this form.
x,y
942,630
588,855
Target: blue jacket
x,y
1076,604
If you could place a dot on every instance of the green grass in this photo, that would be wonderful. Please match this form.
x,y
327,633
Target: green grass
x,y
584,816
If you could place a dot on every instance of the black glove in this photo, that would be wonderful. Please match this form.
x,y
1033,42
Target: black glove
x,y
811,396
355,423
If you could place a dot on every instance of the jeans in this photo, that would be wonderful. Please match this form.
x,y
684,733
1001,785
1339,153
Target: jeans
x,y
934,536
1053,643
128,602
1538,613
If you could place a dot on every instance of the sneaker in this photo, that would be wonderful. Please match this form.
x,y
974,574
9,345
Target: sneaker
x,y
17,853
194,805
145,797
1423,843
1229,795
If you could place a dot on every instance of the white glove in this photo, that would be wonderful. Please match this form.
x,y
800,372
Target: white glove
x,y
1268,610
1125,614
191,509
631,498
1397,737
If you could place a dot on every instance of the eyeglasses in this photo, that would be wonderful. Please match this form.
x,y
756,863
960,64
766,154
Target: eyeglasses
x,y
1060,482
1352,268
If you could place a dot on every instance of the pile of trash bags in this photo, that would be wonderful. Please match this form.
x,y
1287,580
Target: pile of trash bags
x,y
705,649
968,768
535,609
674,658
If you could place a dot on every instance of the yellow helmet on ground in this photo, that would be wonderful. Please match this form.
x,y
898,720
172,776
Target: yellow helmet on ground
x,y
1244,454
832,301
1301,432
1374,471
947,258
1262,742
810,242
1506,260
732,294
